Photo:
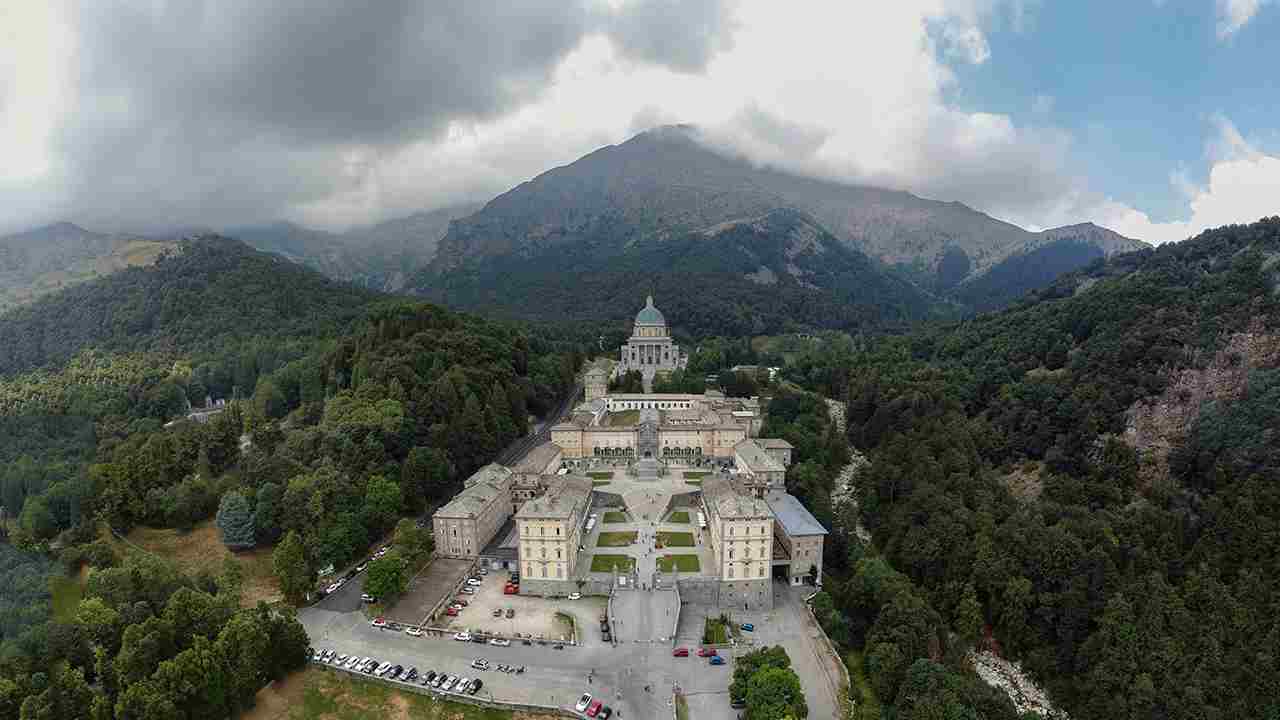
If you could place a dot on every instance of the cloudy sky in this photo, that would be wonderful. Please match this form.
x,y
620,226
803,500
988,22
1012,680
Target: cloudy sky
x,y
1157,118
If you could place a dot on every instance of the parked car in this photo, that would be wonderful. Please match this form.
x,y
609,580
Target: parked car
x,y
451,682
361,567
379,622
594,708
468,590
510,589
411,674
439,681
462,685
428,676
462,637
749,627
706,652
500,642
451,611
583,702
480,664
476,685
413,631
394,672
333,588
680,652
497,612
511,612
717,660
340,659
382,669
366,597
606,712
482,572
575,596
461,601
473,581
737,703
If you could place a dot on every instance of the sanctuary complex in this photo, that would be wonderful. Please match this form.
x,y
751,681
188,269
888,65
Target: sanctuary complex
x,y
659,460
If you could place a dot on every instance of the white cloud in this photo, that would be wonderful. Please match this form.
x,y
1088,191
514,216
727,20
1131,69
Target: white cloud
x,y
1235,14
1243,186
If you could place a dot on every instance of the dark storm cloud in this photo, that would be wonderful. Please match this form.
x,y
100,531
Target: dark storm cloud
x,y
210,112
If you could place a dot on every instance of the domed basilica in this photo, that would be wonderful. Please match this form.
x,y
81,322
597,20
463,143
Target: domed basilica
x,y
650,349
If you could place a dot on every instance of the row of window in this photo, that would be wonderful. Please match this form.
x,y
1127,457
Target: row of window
x,y
746,573
528,571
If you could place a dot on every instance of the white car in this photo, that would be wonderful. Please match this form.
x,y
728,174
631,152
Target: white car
x,y
500,642
353,662
468,590
413,631
463,684
332,588
575,596
473,582
583,702
463,637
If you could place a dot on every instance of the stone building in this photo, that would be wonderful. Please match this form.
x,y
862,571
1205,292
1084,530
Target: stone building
x,y
465,525
758,469
668,426
800,537
777,447
740,533
549,531
531,473
650,349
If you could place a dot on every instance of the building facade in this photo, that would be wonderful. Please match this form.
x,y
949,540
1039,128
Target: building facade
x,y
465,525
667,426
532,472
740,533
800,537
549,531
650,349
596,380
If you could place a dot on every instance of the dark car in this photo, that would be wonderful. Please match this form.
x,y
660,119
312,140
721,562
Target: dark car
x,y
475,686
409,676
428,676
606,712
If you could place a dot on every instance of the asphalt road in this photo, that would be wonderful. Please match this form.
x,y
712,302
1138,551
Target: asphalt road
x,y
521,447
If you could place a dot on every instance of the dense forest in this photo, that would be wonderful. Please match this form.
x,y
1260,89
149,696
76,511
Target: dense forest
x,y
778,273
347,412
1004,495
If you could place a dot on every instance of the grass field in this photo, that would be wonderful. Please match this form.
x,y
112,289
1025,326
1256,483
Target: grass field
x,y
675,539
681,563
614,516
598,483
202,549
714,632
600,475
606,563
692,482
696,474
66,592
622,418
679,516
615,539
317,693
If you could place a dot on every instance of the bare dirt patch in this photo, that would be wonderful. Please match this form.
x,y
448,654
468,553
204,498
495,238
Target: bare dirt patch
x,y
202,549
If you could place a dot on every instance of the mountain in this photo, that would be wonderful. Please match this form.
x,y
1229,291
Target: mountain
x,y
43,260
1092,472
666,182
775,272
201,294
379,257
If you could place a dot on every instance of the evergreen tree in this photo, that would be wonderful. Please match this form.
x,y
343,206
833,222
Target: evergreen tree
x,y
289,561
235,522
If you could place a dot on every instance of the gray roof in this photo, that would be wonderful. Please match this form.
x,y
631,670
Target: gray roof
x,y
538,458
795,519
774,444
728,500
756,458
482,488
564,495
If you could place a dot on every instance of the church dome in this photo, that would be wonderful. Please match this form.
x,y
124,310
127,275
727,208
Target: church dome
x,y
649,315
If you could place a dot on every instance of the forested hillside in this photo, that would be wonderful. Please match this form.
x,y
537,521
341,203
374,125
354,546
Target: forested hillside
x,y
774,273
1091,475
353,411
214,291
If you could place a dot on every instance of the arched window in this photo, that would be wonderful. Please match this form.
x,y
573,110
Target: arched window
x,y
544,553
730,553
730,572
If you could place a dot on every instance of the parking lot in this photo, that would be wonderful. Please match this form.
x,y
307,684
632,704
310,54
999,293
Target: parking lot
x,y
435,581
533,616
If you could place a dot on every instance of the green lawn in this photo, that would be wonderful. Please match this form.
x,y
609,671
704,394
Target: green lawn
x,y
692,482
696,474
613,516
714,632
338,696
615,539
599,475
622,418
679,516
606,563
598,483
66,593
675,539
681,563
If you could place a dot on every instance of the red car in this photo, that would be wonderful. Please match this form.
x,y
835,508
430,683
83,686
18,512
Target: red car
x,y
706,652
451,611
594,709
379,622
510,590
680,652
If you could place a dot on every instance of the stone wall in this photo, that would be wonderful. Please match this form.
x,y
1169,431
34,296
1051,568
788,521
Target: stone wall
x,y
755,594
699,590
539,587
